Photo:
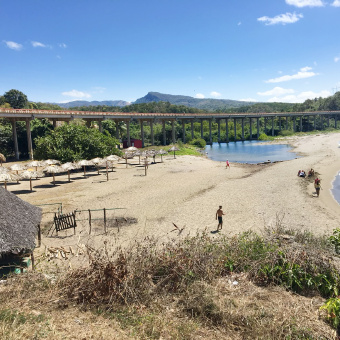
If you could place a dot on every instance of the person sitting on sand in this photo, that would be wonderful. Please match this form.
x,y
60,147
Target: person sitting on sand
x,y
227,165
299,172
219,214
302,173
317,186
311,172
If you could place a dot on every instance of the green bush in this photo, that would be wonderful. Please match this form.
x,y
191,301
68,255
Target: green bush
x,y
285,133
199,142
72,142
263,136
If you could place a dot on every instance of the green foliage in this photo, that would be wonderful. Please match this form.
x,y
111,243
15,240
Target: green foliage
x,y
335,240
332,306
39,128
263,136
72,142
285,133
199,142
16,99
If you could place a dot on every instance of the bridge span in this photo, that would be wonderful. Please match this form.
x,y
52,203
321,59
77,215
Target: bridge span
x,y
27,115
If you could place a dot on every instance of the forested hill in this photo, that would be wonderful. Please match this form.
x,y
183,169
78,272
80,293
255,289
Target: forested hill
x,y
78,103
203,104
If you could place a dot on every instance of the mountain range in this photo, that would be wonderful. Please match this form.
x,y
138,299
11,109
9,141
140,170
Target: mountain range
x,y
78,103
205,104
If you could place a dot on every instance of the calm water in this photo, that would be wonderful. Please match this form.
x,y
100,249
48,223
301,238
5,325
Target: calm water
x,y
336,188
249,152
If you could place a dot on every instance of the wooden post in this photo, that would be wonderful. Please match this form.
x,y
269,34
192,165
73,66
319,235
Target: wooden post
x,y
90,221
107,171
105,220
32,259
31,184
39,235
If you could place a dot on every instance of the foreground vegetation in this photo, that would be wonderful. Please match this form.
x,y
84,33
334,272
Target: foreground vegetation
x,y
250,286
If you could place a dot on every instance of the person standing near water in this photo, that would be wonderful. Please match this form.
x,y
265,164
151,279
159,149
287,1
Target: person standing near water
x,y
219,214
227,165
317,186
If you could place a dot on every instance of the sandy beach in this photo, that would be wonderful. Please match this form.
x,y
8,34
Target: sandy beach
x,y
187,191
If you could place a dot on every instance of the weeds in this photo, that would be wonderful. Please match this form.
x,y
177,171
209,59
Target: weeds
x,y
178,290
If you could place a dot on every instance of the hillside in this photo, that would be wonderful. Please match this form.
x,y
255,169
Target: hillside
x,y
78,103
204,104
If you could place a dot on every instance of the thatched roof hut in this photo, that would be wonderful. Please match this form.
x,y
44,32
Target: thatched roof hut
x,y
19,222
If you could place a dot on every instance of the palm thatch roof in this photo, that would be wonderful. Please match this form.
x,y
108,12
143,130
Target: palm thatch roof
x,y
18,224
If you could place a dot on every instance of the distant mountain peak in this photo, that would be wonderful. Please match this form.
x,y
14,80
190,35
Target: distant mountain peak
x,y
204,103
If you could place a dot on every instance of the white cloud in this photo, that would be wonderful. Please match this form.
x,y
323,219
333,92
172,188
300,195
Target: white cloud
x,y
336,3
13,45
239,24
76,94
336,59
215,94
276,91
62,45
303,73
288,18
199,95
305,3
38,44
301,97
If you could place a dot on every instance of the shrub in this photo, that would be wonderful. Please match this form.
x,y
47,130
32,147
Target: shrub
x,y
263,136
72,142
285,133
199,142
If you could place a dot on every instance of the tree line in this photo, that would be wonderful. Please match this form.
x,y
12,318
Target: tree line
x,y
43,131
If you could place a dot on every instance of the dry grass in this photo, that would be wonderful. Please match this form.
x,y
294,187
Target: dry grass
x,y
197,288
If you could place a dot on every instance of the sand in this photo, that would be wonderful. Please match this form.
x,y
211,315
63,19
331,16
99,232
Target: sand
x,y
187,191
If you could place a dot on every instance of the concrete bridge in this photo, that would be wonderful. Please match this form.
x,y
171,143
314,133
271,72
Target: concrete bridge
x,y
27,115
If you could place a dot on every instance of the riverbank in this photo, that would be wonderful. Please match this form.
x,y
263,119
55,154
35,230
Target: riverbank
x,y
187,191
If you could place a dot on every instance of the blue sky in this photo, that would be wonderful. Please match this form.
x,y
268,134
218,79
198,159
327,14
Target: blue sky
x,y
261,50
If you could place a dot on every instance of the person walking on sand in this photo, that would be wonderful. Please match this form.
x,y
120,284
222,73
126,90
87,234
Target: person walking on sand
x,y
227,165
317,186
219,214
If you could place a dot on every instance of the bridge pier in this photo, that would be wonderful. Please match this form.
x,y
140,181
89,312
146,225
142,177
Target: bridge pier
x,y
258,127
279,123
219,130
127,122
286,122
202,128
173,131
100,125
250,129
210,138
301,117
152,134
273,126
235,136
164,132
242,122
15,139
142,131
192,128
29,139
183,131
227,129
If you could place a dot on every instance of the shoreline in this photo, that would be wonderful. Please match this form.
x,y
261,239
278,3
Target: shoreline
x,y
187,191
